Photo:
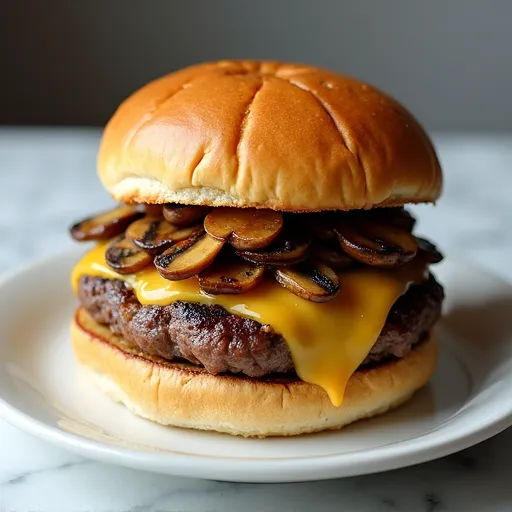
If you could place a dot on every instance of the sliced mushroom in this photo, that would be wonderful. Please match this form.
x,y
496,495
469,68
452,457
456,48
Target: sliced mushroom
x,y
232,276
429,251
321,226
323,233
151,210
289,251
317,283
155,234
334,258
186,232
379,245
183,215
125,257
105,225
398,217
244,229
188,257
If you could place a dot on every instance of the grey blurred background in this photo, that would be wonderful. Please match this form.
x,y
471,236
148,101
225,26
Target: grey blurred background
x,y
71,62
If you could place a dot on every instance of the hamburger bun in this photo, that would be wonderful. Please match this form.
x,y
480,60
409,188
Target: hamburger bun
x,y
266,135
186,395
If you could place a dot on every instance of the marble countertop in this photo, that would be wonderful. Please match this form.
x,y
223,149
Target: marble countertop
x,y
47,180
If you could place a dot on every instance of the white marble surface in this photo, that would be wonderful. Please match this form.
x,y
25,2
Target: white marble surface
x,y
47,179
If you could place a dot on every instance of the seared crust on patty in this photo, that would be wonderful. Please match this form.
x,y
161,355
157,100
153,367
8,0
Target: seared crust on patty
x,y
224,342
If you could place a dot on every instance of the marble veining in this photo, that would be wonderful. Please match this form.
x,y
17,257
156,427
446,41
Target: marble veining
x,y
47,180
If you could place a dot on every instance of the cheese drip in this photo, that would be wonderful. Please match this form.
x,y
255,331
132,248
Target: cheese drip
x,y
327,341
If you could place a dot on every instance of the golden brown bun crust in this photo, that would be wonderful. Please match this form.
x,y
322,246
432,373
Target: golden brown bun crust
x,y
186,396
267,135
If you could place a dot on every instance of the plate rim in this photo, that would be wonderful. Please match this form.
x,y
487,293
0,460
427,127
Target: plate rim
x,y
244,469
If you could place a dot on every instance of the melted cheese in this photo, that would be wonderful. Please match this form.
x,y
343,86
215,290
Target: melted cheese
x,y
327,341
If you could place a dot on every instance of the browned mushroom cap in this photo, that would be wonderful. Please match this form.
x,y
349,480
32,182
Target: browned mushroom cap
x,y
182,215
429,251
244,229
321,225
231,276
189,257
317,283
288,251
151,210
330,256
125,257
379,245
155,234
398,217
105,225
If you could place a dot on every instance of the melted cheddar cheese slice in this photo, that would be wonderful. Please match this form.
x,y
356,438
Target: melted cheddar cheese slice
x,y
327,341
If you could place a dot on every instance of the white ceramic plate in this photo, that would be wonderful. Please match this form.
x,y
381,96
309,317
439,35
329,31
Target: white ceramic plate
x,y
43,392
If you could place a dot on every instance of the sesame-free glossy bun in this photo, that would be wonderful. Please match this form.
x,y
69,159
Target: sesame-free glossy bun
x,y
186,395
267,135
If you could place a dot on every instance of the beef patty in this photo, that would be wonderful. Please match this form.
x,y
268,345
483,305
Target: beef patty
x,y
223,342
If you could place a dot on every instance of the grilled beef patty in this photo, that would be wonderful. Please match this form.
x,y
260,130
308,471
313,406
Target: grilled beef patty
x,y
223,342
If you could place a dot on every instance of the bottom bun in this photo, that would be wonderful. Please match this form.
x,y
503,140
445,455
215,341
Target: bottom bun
x,y
185,395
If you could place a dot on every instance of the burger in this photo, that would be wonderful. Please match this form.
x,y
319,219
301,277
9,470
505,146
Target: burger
x,y
259,275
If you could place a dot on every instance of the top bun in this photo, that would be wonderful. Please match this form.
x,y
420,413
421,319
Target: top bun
x,y
266,135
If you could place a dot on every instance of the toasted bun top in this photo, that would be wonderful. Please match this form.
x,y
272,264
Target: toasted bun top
x,y
267,135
